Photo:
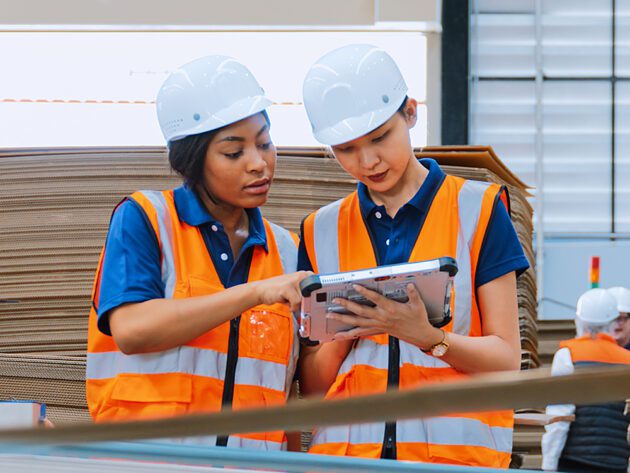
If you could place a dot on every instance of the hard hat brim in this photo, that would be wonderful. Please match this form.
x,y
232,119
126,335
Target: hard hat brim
x,y
624,308
238,111
355,127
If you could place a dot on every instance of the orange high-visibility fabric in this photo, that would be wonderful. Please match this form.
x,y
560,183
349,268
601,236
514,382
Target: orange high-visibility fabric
x,y
601,349
266,341
416,451
438,237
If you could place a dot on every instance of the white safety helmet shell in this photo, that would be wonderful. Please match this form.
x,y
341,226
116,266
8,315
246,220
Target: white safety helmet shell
x,y
597,307
207,94
351,91
622,296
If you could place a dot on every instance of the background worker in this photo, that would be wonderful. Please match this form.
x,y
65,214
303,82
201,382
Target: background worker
x,y
194,290
406,209
596,440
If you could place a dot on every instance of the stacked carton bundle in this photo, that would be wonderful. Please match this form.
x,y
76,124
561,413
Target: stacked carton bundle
x,y
57,381
481,163
55,207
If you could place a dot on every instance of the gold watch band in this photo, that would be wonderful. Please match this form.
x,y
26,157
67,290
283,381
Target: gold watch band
x,y
430,349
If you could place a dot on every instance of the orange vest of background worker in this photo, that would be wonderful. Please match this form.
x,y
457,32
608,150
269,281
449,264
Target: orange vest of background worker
x,y
470,439
191,378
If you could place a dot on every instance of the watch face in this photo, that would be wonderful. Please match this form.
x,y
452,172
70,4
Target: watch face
x,y
439,350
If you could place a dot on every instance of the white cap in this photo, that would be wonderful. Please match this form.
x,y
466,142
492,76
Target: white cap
x,y
206,94
351,91
622,296
597,307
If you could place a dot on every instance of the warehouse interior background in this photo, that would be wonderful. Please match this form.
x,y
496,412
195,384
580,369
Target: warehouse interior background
x,y
545,83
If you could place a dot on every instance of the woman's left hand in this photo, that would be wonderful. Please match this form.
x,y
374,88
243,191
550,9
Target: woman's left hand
x,y
407,321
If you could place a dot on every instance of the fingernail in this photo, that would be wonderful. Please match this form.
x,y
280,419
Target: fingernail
x,y
336,301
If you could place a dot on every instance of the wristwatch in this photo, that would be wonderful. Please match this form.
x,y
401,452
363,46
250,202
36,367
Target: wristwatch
x,y
439,349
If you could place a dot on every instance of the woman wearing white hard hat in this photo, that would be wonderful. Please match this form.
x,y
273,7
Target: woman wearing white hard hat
x,y
194,290
406,209
595,442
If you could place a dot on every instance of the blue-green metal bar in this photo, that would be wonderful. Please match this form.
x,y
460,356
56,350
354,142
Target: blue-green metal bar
x,y
291,462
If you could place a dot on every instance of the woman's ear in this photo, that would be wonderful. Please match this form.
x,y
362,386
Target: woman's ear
x,y
411,112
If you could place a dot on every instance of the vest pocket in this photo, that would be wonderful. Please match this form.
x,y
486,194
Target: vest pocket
x,y
151,395
266,333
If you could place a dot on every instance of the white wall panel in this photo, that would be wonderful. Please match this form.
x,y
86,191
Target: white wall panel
x,y
576,127
72,89
503,116
504,45
622,158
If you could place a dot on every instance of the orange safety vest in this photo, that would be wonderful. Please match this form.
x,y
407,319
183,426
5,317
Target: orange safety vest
x,y
191,378
336,239
601,349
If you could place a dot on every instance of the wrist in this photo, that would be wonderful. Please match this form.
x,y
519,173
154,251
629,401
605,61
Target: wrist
x,y
256,294
430,338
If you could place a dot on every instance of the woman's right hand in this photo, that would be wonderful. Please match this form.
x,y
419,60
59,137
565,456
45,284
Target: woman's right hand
x,y
283,289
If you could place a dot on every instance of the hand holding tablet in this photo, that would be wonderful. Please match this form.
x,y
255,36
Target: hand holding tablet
x,y
432,279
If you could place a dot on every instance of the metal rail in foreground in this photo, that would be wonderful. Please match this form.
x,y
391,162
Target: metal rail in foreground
x,y
228,458
497,391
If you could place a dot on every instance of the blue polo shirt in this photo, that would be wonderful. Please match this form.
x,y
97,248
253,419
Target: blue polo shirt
x,y
131,266
395,238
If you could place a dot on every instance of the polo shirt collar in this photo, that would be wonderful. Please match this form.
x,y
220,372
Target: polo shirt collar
x,y
191,211
421,200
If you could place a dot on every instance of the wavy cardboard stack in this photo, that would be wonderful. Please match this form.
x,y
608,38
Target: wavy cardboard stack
x,y
55,207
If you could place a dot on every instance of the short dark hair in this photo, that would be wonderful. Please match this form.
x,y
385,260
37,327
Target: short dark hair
x,y
401,109
187,156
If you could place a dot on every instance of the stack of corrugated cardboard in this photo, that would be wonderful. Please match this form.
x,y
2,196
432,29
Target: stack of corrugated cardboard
x,y
55,207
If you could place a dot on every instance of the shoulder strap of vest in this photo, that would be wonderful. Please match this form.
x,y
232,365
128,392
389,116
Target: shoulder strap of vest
x,y
96,286
470,203
286,242
157,209
321,237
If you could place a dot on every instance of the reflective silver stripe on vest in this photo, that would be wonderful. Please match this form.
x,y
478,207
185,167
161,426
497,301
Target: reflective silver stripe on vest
x,y
326,238
165,227
367,352
188,360
254,444
286,248
288,257
453,431
234,441
368,433
469,202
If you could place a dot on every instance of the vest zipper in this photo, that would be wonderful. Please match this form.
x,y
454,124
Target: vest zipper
x,y
230,373
388,450
393,374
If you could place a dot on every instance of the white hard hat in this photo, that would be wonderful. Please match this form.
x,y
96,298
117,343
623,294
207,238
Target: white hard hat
x,y
206,94
597,307
351,91
622,296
